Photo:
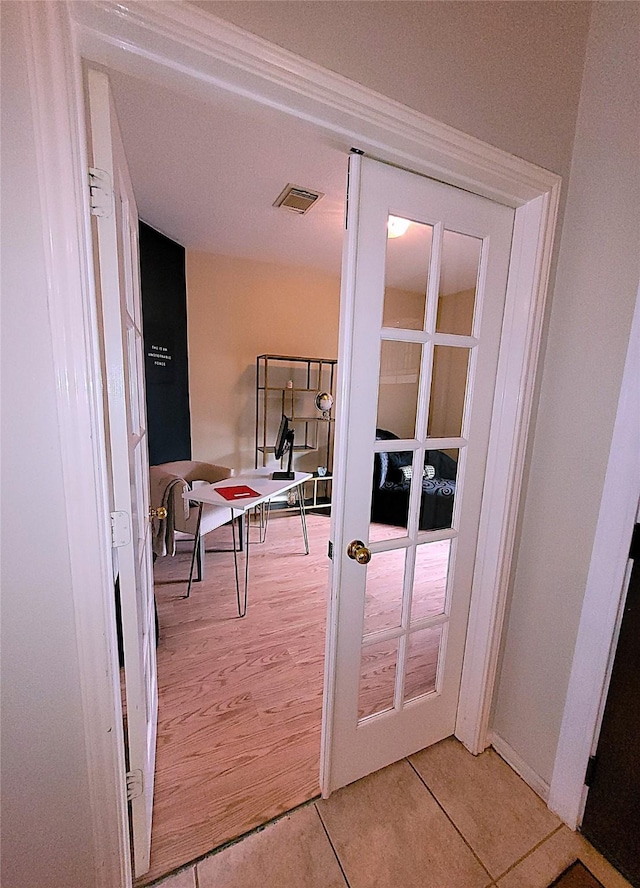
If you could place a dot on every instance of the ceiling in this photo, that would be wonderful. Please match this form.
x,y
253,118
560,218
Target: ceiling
x,y
206,172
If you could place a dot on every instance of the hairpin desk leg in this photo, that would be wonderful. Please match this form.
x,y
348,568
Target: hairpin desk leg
x,y
303,518
247,518
241,598
263,510
195,553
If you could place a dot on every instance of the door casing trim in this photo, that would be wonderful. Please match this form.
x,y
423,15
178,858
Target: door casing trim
x,y
183,47
604,598
56,96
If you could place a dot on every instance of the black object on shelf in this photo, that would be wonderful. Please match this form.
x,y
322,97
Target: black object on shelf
x,y
291,385
284,443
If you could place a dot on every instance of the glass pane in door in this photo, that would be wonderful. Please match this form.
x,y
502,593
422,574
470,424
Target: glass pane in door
x,y
383,591
392,471
448,391
458,280
430,580
398,388
422,662
406,272
438,489
384,509
377,677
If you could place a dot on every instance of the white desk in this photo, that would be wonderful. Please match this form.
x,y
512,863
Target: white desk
x,y
266,488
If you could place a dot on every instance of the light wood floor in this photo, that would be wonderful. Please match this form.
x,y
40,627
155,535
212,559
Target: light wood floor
x,y
240,700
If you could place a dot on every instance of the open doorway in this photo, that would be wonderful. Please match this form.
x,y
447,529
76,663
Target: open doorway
x,y
476,701
58,147
240,700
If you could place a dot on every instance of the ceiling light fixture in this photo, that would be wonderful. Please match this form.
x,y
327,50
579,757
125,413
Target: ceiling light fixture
x,y
396,226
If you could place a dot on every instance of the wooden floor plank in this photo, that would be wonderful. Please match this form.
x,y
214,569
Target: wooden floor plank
x,y
240,700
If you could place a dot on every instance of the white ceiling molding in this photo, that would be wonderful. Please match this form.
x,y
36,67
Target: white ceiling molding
x,y
170,42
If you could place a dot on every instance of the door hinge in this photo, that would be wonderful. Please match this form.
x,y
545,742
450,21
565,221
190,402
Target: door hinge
x,y
330,550
591,770
634,549
120,529
135,784
100,192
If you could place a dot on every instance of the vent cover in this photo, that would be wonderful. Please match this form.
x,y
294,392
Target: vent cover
x,y
299,200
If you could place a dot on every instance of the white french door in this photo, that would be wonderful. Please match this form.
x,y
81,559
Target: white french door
x,y
120,320
422,326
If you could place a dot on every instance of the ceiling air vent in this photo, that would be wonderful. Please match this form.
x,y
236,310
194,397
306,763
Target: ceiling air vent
x,y
300,200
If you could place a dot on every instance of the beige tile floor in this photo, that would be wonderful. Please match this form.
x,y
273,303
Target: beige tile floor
x,y
440,819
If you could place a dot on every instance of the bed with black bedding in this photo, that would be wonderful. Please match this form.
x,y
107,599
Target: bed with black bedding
x,y
392,483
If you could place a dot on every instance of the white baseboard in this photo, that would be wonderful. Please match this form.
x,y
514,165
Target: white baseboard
x,y
511,757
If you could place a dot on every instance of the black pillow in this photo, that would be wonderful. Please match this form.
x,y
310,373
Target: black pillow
x,y
396,461
445,466
381,464
384,435
391,463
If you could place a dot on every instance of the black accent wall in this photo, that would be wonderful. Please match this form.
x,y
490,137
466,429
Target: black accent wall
x,y
164,310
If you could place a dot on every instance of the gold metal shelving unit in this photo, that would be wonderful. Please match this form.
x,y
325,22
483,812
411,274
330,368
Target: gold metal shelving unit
x,y
289,384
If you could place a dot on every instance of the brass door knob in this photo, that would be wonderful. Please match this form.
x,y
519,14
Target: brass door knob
x,y
359,552
160,513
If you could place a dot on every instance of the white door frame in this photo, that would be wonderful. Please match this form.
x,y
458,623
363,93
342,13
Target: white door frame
x,y
604,598
57,104
183,47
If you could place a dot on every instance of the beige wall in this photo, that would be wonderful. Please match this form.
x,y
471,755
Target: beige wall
x,y
238,310
508,73
595,293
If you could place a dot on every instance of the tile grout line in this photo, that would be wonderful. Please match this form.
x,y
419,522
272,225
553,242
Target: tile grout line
x,y
326,832
515,863
530,851
434,797
155,883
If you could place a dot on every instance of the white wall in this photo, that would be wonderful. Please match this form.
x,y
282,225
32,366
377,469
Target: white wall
x,y
46,834
595,291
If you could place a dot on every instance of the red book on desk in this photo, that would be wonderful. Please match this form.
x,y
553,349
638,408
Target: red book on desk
x,y
240,491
